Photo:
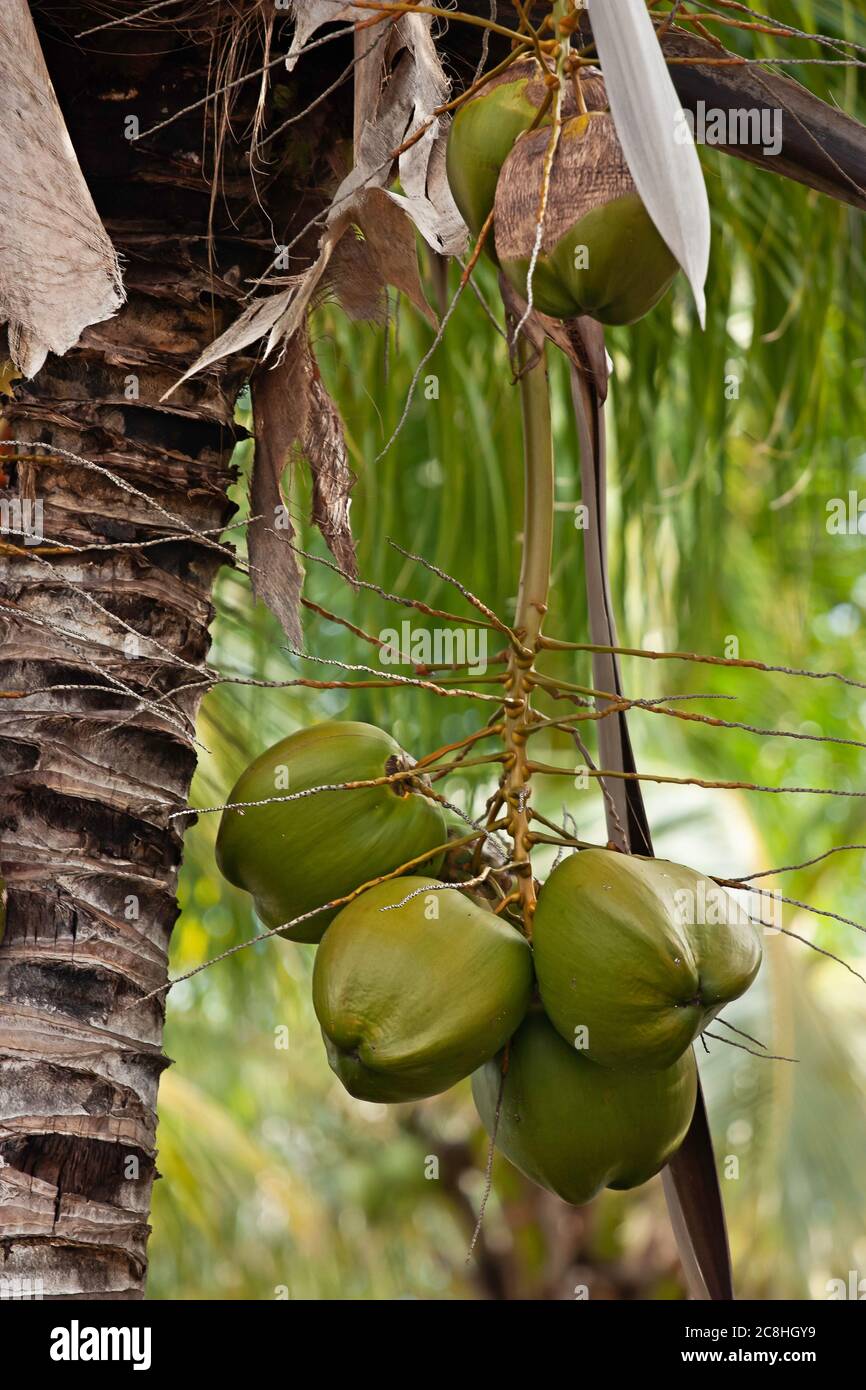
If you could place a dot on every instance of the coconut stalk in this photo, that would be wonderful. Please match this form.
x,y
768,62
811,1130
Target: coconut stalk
x,y
531,606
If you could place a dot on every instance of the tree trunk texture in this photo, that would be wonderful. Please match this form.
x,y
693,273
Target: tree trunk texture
x,y
88,851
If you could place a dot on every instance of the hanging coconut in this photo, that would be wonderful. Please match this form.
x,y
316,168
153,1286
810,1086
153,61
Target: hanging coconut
x,y
293,856
485,128
600,252
636,956
574,1127
414,997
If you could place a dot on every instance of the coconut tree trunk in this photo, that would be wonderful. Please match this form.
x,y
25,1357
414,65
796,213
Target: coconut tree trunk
x,y
92,639
89,854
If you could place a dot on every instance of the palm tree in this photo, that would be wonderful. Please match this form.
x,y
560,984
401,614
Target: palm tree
x,y
95,765
106,614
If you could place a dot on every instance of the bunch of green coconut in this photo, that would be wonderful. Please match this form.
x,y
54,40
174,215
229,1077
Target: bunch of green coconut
x,y
600,253
578,1043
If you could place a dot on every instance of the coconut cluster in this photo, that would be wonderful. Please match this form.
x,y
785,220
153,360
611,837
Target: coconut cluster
x,y
599,252
633,959
578,1043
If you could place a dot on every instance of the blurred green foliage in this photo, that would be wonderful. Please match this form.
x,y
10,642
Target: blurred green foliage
x,y
726,448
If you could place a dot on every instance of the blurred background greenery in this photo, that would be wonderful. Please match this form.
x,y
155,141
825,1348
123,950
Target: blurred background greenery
x,y
726,448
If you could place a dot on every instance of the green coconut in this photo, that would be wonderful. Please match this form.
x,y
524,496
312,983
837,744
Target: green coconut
x,y
636,956
485,128
574,1127
414,997
293,856
600,253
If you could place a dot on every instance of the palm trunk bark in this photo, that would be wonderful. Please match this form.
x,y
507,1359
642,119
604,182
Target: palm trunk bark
x,y
89,854
88,851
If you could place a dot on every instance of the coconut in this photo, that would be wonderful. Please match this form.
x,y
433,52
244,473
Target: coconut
x,y
600,251
574,1127
485,128
415,986
636,956
293,856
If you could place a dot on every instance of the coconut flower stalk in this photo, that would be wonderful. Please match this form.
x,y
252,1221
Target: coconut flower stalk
x,y
531,607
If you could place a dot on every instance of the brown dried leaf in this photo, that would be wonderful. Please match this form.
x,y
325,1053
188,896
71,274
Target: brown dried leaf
x,y
369,71
281,407
333,479
406,97
279,315
58,269
378,139
436,214
426,195
391,238
310,15
256,320
415,88
385,254
430,90
356,279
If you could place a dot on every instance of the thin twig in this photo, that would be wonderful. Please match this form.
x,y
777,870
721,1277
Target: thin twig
x,y
239,81
767,1056
441,887
394,678
786,931
440,333
792,902
128,20
476,602
742,1033
806,864
606,792
701,659
710,785
400,599
488,1168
